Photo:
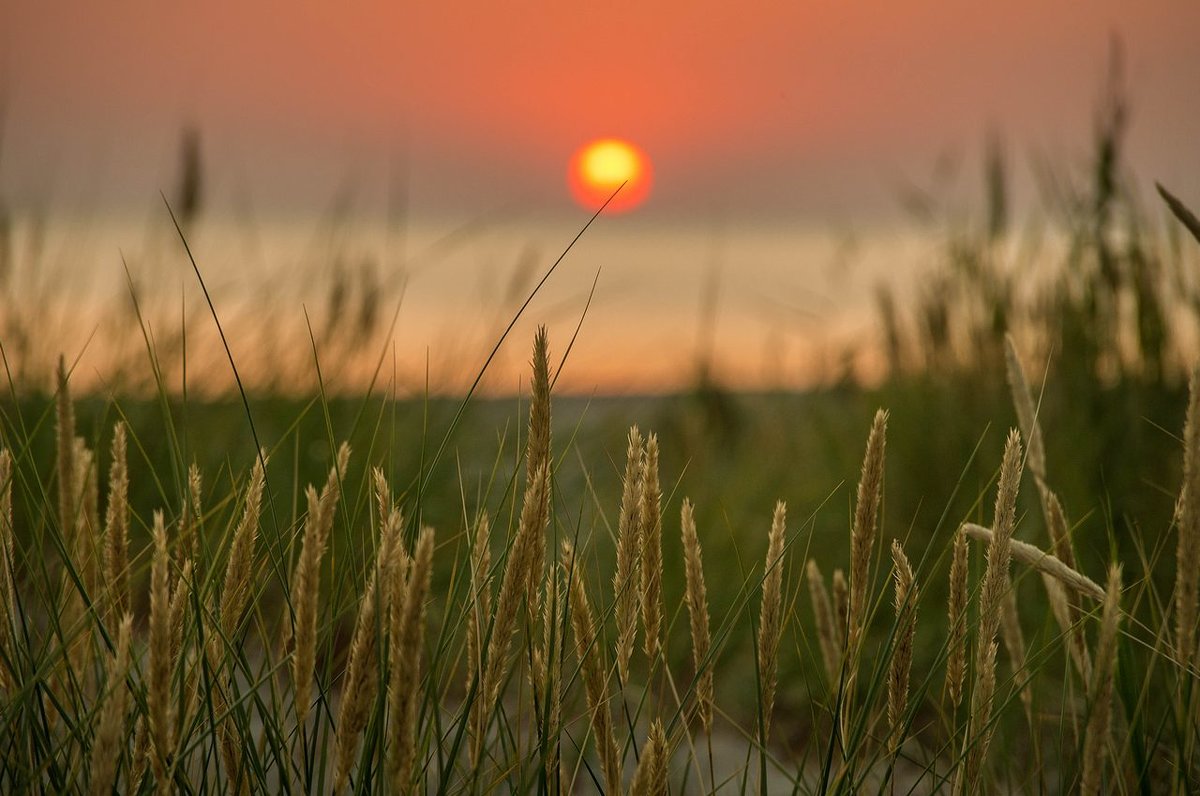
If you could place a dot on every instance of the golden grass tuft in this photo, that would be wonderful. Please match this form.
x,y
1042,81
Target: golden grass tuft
x,y
235,592
306,582
158,695
995,584
625,580
900,666
696,596
770,621
513,589
404,675
651,546
361,681
650,777
588,651
116,526
110,742
956,658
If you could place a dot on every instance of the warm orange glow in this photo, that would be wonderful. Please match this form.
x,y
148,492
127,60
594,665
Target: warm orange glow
x,y
598,168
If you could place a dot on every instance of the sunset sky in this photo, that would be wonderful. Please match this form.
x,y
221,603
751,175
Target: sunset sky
x,y
781,136
785,109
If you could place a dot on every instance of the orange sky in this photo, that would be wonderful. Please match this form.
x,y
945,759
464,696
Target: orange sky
x,y
787,107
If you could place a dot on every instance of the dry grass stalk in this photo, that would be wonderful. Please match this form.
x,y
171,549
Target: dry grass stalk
x,y
404,676
828,631
116,526
383,495
1042,561
140,755
1100,688
625,580
235,591
158,696
537,456
361,681
8,596
1187,557
109,744
956,660
651,545
83,548
696,596
864,531
770,622
650,778
306,583
587,648
995,584
902,653
863,534
513,589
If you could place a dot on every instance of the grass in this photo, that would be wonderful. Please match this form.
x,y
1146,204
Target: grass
x,y
225,667
753,593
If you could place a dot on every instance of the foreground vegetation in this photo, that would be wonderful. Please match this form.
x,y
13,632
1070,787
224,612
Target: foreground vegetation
x,y
534,644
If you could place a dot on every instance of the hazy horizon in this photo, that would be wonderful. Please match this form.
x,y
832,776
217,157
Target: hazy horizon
x,y
422,154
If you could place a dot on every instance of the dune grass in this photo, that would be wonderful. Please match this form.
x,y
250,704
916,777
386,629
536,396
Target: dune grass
x,y
240,652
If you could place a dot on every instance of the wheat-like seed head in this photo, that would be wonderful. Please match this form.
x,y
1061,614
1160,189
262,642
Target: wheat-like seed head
x,y
696,596
360,683
116,527
513,589
956,660
236,589
109,744
625,580
306,581
158,697
651,544
537,457
587,649
1100,689
770,622
84,552
479,611
404,676
865,529
193,510
650,778
995,584
905,603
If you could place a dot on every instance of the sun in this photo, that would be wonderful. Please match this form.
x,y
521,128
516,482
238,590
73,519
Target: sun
x,y
599,168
